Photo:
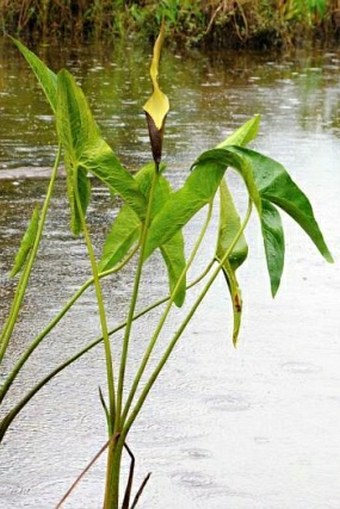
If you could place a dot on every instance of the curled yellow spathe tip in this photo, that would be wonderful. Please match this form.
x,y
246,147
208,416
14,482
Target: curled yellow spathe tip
x,y
157,106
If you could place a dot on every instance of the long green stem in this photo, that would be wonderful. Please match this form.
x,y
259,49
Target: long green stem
x,y
133,301
182,327
9,418
36,342
101,310
165,315
115,448
22,286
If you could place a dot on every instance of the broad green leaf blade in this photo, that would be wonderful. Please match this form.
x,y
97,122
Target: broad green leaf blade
x,y
26,242
76,126
245,168
229,227
100,160
274,244
275,185
124,233
182,205
198,190
268,180
127,227
244,135
173,250
46,77
84,147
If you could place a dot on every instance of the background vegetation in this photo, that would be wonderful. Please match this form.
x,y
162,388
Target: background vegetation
x,y
256,23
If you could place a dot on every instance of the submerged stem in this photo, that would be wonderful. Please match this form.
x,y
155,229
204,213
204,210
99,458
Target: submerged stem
x,y
24,279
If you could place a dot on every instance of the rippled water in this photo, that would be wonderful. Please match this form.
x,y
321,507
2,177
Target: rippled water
x,y
252,428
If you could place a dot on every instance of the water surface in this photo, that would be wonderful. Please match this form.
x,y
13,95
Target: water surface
x,y
252,428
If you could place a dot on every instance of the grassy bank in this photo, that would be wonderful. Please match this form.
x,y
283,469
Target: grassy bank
x,y
227,23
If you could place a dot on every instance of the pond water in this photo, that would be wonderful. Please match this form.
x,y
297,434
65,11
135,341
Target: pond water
x,y
256,427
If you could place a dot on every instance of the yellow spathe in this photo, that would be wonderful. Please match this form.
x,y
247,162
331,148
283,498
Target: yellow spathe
x,y
158,105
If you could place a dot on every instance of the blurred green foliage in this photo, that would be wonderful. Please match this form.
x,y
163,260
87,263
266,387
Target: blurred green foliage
x,y
259,23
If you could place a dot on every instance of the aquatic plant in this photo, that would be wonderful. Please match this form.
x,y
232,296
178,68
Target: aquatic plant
x,y
152,218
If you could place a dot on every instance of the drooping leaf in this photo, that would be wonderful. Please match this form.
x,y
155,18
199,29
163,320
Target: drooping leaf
x,y
236,299
157,106
26,242
268,180
229,219
274,244
275,185
46,77
85,150
229,227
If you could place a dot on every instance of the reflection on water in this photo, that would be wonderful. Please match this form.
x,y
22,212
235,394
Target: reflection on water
x,y
210,94
252,428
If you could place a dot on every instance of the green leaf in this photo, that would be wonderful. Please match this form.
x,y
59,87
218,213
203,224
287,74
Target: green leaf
x,y
173,256
85,150
236,299
124,232
275,185
268,180
26,242
46,77
244,135
229,226
173,250
198,190
127,226
274,243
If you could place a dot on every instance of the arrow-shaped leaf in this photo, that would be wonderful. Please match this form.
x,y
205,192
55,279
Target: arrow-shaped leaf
x,y
229,227
85,150
126,229
46,77
268,180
